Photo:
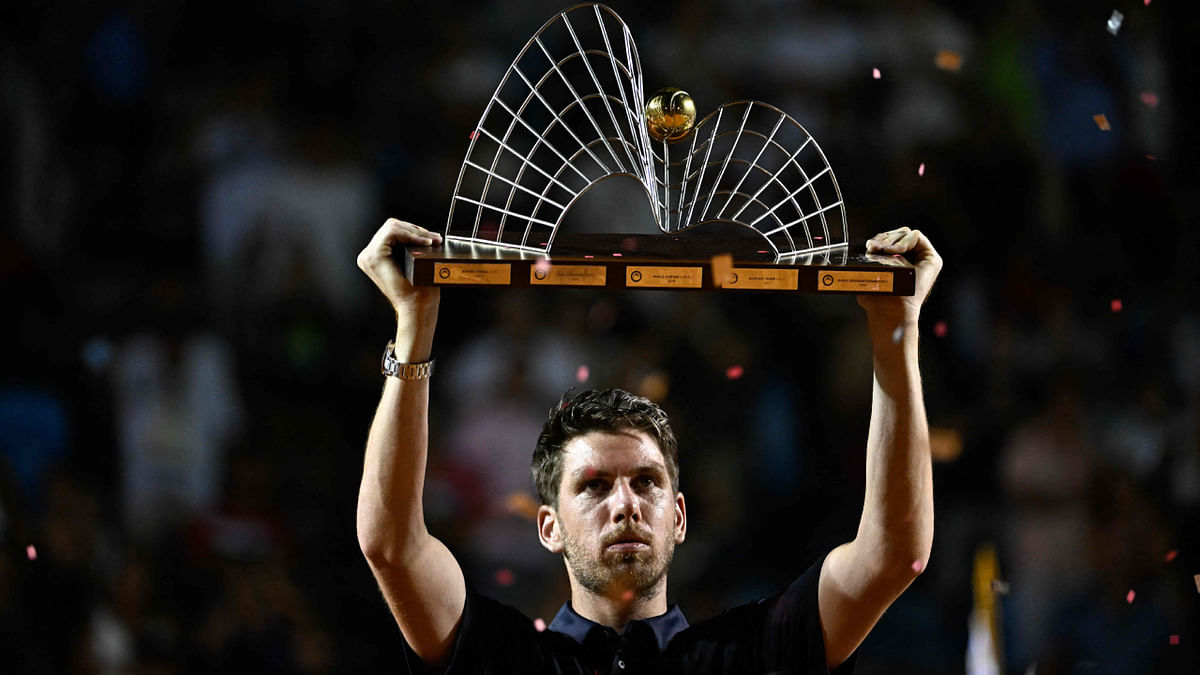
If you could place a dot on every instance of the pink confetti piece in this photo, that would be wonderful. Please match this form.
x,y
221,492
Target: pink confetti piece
x,y
627,595
918,565
921,169
1149,99
539,625
505,577
1130,596
762,251
616,255
31,552
581,374
1116,305
1171,555
542,266
818,238
474,135
589,256
876,74
1174,639
1102,122
734,372
939,329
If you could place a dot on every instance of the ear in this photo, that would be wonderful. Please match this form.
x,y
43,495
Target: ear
x,y
680,518
549,532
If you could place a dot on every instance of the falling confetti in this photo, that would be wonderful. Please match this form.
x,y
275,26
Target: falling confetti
x,y
1149,99
1174,639
875,73
474,135
1114,22
918,565
1000,587
1102,122
31,552
949,60
1116,305
921,169
627,595
539,624
588,256
939,329
1171,555
1130,596
734,372
722,268
542,266
616,255
504,577
581,374
1146,3
897,334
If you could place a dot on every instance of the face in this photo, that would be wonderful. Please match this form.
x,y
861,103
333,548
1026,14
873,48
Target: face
x,y
618,519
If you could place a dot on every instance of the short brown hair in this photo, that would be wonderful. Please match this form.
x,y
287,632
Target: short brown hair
x,y
596,410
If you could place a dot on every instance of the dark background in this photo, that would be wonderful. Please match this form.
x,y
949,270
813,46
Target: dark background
x,y
188,363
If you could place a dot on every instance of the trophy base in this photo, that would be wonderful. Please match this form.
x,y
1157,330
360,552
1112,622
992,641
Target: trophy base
x,y
689,261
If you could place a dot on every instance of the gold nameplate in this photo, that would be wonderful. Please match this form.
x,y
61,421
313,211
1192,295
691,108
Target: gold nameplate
x,y
567,275
663,277
472,273
763,279
855,282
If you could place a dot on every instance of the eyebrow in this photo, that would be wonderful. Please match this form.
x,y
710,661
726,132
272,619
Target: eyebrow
x,y
589,472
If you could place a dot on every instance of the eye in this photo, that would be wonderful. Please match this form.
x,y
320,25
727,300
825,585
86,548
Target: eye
x,y
645,481
594,485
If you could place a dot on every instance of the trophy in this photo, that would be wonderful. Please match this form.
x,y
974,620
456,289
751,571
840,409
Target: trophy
x,y
744,198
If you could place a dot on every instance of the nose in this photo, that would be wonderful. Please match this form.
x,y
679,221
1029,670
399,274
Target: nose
x,y
625,503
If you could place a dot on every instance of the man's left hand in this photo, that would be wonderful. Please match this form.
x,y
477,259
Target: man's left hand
x,y
915,246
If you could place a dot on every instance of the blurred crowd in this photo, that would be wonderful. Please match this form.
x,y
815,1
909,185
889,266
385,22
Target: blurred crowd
x,y
190,359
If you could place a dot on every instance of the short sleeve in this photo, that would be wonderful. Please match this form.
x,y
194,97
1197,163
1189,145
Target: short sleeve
x,y
792,637
493,638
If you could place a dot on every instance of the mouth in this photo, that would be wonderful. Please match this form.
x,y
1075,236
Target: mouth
x,y
628,543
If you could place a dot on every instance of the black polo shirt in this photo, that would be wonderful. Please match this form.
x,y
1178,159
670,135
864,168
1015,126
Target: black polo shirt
x,y
781,634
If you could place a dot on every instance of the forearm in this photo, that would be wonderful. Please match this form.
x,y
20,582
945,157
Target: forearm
x,y
897,519
390,515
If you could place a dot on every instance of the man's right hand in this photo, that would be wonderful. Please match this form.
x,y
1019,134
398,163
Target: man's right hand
x,y
378,261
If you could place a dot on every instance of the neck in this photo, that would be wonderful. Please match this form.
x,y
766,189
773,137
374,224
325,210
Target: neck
x,y
618,608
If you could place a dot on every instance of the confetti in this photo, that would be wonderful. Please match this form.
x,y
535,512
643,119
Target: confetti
x,y
542,266
1149,99
722,269
734,372
918,565
762,251
875,73
1146,3
1171,555
31,552
1116,305
522,505
474,135
627,595
504,577
939,329
897,334
1102,122
1197,580
589,256
1000,587
616,255
921,169
1130,596
1174,639
1114,22
539,625
949,60
581,374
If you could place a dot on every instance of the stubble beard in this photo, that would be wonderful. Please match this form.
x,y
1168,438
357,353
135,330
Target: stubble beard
x,y
639,571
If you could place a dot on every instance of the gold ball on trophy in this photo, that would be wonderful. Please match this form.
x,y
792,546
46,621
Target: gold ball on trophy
x,y
670,114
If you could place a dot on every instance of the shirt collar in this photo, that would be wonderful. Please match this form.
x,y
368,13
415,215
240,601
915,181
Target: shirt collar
x,y
665,626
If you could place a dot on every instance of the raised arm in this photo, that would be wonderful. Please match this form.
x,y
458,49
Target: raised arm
x,y
419,577
860,579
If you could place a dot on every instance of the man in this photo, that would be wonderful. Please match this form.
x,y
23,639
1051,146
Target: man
x,y
606,470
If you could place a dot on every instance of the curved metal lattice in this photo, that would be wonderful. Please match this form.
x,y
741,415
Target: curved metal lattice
x,y
568,114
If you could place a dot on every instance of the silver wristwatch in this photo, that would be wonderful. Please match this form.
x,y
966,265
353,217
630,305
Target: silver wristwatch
x,y
405,371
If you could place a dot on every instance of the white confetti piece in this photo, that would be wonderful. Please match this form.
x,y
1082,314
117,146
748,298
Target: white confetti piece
x,y
1114,22
876,74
